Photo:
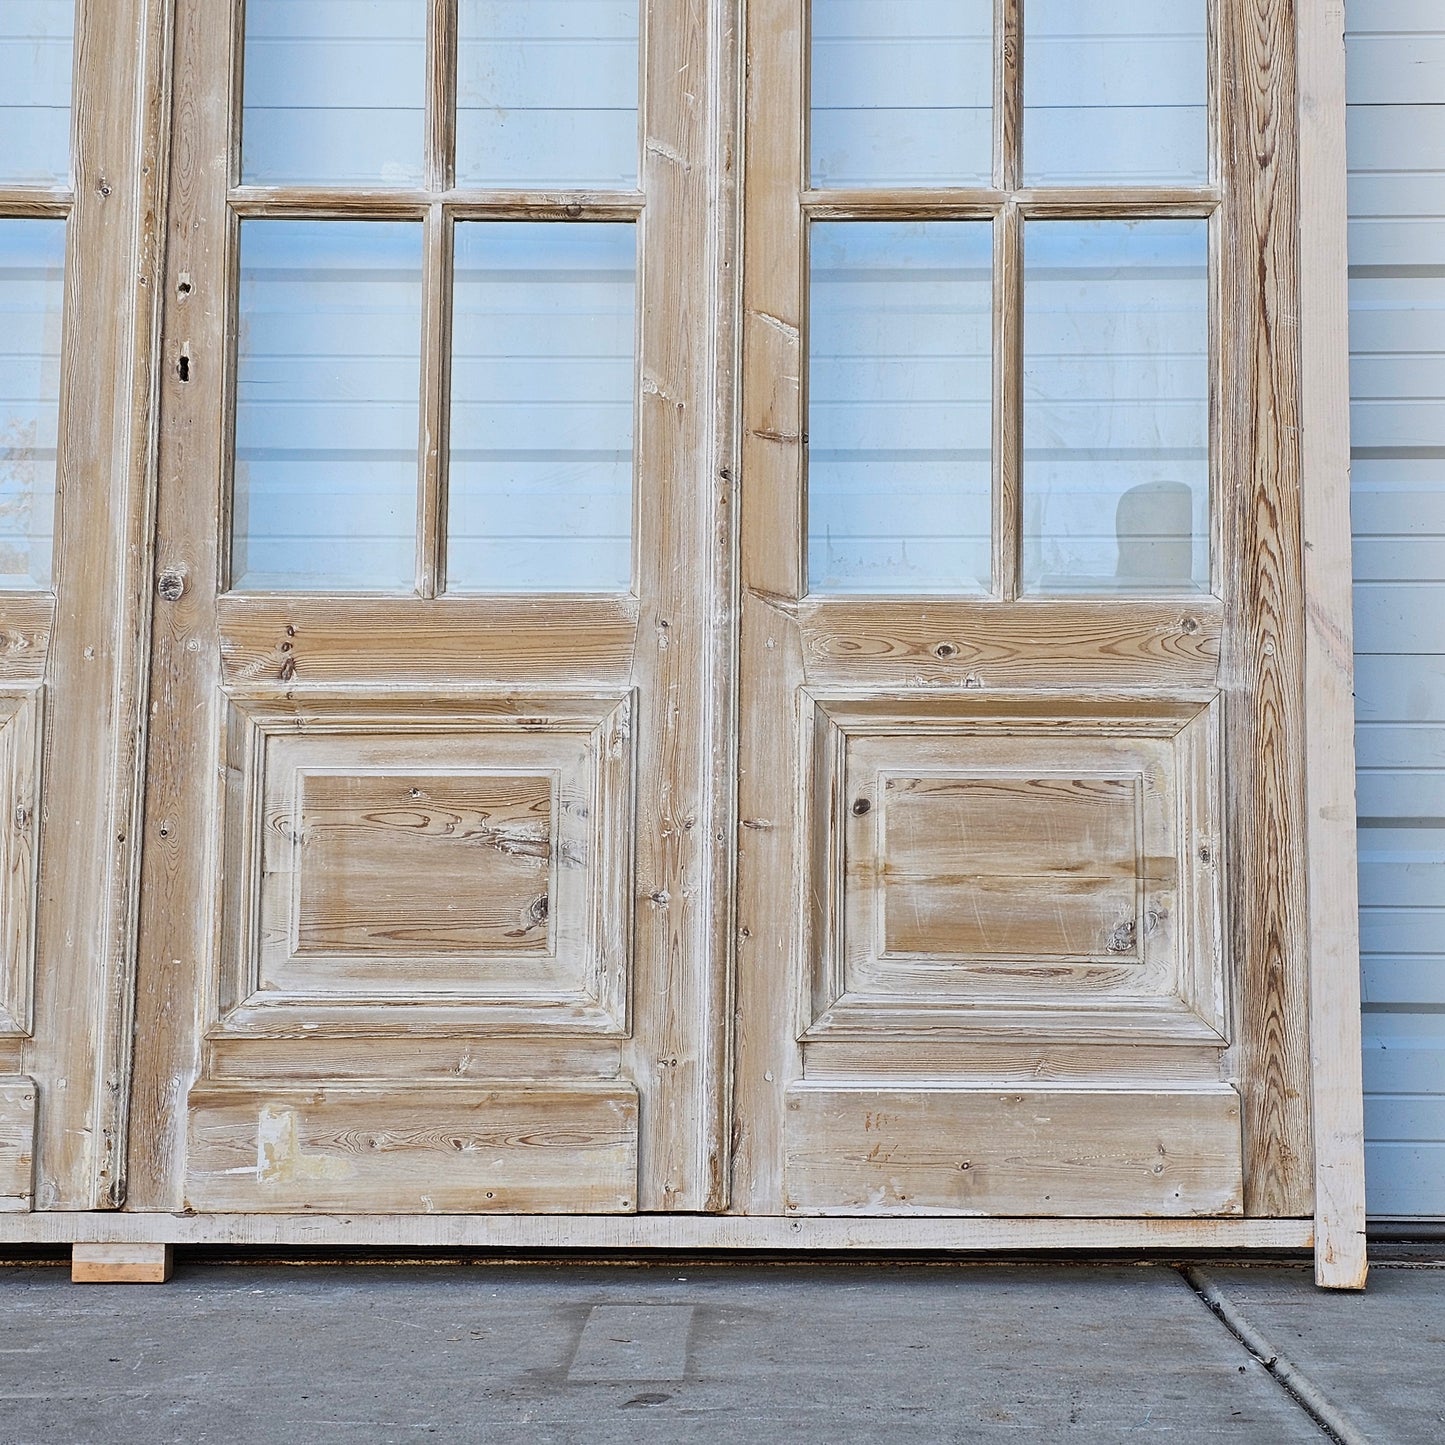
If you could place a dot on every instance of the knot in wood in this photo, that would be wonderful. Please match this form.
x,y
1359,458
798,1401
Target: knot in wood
x,y
171,584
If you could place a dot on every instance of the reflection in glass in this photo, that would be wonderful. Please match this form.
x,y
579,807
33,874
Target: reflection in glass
x,y
899,411
902,92
327,405
35,61
547,93
334,92
540,488
32,268
1116,406
1116,92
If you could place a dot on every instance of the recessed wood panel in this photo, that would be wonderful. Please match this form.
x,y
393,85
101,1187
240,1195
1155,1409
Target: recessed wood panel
x,y
17,1143
401,1148
452,865
19,791
1151,1151
1040,867
424,864
1000,853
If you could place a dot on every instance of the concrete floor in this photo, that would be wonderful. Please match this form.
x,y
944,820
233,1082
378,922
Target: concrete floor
x,y
737,1353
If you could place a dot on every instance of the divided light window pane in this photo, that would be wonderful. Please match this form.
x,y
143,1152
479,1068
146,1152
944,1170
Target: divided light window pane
x,y
902,92
547,93
35,63
1116,92
540,485
327,412
334,92
32,268
1116,406
899,406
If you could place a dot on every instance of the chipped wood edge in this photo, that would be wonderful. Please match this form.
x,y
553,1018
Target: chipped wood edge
x,y
1334,939
797,1234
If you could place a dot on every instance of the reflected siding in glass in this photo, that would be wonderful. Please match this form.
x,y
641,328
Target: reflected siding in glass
x,y
547,93
902,92
899,407
540,488
36,38
32,293
327,406
334,92
1116,92
1116,406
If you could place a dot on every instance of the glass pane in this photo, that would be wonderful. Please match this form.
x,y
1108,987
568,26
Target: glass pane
x,y
35,39
899,409
547,93
1116,92
32,268
1116,406
334,92
540,489
327,405
902,92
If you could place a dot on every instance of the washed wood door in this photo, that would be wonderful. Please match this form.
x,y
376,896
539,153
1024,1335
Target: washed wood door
x,y
1021,917
428,899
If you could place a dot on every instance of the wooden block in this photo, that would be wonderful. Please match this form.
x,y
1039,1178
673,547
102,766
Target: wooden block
x,y
1147,1152
398,1148
17,1142
120,1263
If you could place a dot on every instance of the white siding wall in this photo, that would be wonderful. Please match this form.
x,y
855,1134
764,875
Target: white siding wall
x,y
1397,341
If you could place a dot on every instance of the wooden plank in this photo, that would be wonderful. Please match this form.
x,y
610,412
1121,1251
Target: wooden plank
x,y
21,731
133,1263
1336,1096
1263,672
1113,641
17,1143
96,663
474,640
625,1232
398,203
1027,1152
458,1148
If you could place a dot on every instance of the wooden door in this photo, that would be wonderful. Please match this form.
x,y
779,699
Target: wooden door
x,y
428,913
1022,908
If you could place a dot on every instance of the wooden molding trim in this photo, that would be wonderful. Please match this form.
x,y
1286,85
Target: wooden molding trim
x,y
1334,937
795,1235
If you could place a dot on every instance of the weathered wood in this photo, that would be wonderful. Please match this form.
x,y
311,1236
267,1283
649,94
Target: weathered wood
x,y
17,1143
952,1235
95,677
25,629
1263,664
20,737
456,1148
1335,1097
1029,1151
120,1263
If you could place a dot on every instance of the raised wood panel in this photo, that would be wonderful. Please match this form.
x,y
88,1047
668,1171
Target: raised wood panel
x,y
1151,1152
20,736
460,1148
1048,855
395,865
17,1143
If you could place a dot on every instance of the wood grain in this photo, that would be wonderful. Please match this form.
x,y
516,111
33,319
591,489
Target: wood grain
x,y
1263,662
25,630
132,1263
20,738
450,1149
1030,1151
17,1143
1335,1101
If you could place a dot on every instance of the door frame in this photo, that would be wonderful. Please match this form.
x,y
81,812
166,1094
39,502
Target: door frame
x,y
1335,1225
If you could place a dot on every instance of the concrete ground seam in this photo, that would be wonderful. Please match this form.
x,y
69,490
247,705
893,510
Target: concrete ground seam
x,y
1311,1399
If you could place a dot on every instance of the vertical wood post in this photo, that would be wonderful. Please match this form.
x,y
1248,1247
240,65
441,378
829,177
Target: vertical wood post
x,y
1338,1110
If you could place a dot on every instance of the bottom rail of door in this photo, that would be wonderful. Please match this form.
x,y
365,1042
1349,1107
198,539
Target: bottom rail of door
x,y
657,1231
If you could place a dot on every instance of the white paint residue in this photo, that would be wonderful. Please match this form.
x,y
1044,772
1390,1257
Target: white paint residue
x,y
280,1157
